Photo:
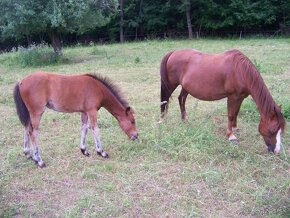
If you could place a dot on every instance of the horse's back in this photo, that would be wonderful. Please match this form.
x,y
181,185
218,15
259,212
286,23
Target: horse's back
x,y
205,76
65,93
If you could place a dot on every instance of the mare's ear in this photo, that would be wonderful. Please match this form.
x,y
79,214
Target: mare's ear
x,y
128,109
280,106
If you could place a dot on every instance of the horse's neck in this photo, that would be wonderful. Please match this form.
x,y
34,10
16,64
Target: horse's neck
x,y
262,97
112,104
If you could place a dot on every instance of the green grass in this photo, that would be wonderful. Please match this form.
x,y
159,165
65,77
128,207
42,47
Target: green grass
x,y
175,169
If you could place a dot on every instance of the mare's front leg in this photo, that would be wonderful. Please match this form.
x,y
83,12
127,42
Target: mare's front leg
x,y
96,131
182,98
84,118
234,103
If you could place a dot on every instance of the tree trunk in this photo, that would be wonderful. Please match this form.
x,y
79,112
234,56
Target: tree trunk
x,y
139,15
29,41
188,19
55,41
122,21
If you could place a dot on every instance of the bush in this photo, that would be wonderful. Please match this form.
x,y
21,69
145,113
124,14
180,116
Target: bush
x,y
34,55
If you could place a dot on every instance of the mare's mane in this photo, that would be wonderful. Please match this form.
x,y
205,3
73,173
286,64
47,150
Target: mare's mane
x,y
257,87
113,88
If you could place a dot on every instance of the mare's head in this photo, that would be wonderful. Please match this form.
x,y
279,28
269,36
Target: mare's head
x,y
271,128
127,123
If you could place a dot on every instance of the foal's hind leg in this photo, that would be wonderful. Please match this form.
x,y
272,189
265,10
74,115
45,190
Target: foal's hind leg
x,y
234,104
83,147
96,131
27,141
182,98
35,119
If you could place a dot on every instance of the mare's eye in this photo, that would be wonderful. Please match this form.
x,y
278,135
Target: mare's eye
x,y
133,122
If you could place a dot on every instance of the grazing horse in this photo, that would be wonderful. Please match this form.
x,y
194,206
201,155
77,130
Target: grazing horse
x,y
212,77
85,93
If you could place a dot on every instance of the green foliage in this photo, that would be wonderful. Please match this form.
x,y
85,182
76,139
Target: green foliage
x,y
286,110
25,18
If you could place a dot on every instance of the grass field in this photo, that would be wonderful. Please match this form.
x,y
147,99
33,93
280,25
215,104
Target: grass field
x,y
175,169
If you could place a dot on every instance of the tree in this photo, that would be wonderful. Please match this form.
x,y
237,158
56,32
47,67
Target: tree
x,y
24,18
121,21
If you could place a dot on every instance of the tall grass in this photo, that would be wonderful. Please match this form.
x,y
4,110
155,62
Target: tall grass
x,y
33,56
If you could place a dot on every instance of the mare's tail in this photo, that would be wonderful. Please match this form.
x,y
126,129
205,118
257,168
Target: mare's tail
x,y
21,108
165,91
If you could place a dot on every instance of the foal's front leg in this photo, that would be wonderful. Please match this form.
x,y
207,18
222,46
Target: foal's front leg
x,y
96,131
83,147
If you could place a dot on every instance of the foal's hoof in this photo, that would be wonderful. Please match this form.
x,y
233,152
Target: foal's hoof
x,y
28,156
103,154
41,164
85,152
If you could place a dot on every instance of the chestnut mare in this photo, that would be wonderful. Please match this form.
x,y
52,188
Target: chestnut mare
x,y
74,93
212,77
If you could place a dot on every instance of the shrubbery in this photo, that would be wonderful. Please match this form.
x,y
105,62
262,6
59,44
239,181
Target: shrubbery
x,y
34,55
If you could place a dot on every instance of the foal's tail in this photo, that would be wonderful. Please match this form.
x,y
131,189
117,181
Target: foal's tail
x,y
165,91
21,108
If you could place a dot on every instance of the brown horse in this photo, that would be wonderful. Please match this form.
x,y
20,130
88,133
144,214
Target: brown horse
x,y
212,77
75,93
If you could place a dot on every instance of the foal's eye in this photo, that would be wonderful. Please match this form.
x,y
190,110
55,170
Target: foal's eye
x,y
133,122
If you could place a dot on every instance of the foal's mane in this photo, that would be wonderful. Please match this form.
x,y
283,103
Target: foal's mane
x,y
259,91
113,88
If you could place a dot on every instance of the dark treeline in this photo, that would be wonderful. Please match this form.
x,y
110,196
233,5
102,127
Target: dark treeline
x,y
69,22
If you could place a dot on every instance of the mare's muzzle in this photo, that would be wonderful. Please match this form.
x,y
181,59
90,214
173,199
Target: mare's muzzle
x,y
271,147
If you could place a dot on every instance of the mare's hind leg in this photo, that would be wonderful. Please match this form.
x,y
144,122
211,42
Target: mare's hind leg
x,y
182,98
35,119
96,131
83,147
234,104
27,141
165,95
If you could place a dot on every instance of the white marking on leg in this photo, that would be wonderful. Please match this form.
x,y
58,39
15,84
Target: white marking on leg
x,y
83,137
36,156
232,137
98,143
278,141
26,144
235,129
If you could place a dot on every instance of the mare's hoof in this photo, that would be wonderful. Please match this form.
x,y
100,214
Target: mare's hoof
x,y
234,141
85,152
103,154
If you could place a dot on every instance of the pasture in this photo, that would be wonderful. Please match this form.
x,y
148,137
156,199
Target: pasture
x,y
174,169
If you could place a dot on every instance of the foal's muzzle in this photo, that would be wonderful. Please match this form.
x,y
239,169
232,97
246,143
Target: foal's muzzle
x,y
134,136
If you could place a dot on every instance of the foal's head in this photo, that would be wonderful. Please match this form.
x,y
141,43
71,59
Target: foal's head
x,y
271,128
128,125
